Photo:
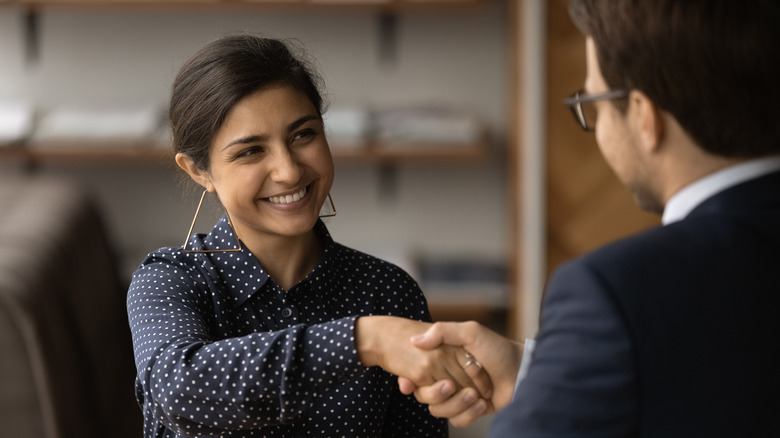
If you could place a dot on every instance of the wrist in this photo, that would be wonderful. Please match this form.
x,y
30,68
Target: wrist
x,y
365,342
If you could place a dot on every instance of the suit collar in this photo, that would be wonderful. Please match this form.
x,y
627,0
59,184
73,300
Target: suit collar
x,y
762,193
691,196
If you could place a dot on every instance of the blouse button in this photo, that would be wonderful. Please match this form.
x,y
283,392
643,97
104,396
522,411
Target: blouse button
x,y
287,312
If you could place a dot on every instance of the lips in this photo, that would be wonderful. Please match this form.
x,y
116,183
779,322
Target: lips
x,y
287,199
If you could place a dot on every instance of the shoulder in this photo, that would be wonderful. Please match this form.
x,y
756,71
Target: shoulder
x,y
684,259
384,287
168,258
601,279
644,254
363,264
168,267
672,250
631,250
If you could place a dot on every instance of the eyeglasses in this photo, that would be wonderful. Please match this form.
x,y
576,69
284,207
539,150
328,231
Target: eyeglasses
x,y
581,106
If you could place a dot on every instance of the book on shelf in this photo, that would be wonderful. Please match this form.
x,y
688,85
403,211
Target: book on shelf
x,y
100,127
16,122
464,281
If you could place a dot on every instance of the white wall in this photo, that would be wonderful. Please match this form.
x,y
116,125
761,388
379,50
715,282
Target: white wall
x,y
129,57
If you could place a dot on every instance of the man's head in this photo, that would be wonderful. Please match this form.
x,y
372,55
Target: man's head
x,y
714,65
704,74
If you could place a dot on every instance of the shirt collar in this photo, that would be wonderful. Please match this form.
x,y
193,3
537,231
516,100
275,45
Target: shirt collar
x,y
241,272
684,201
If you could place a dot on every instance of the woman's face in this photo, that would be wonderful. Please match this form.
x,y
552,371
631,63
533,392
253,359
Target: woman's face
x,y
270,164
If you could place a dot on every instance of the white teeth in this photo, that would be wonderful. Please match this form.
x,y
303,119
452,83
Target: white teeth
x,y
288,198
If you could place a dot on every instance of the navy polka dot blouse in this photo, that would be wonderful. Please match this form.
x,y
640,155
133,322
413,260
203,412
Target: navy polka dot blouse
x,y
222,350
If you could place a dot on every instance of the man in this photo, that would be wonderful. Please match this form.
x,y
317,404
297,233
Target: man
x,y
672,332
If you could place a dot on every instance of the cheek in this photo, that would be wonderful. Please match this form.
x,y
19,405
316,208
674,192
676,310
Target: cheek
x,y
604,140
239,185
610,144
321,162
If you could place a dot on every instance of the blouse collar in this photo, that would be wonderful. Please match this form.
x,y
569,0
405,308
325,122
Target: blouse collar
x,y
243,275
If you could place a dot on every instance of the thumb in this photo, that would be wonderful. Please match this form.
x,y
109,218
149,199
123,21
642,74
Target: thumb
x,y
406,386
459,334
437,334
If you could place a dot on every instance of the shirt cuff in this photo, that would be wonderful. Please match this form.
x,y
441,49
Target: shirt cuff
x,y
525,361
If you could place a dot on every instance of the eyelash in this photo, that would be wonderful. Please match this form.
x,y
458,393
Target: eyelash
x,y
252,150
304,133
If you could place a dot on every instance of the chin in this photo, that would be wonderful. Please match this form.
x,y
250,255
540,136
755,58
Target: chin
x,y
296,227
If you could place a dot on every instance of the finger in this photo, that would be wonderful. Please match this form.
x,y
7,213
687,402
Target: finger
x,y
452,406
454,370
452,333
406,386
480,378
436,393
467,372
473,412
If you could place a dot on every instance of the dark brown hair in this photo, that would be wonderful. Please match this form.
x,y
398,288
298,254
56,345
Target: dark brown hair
x,y
222,73
712,64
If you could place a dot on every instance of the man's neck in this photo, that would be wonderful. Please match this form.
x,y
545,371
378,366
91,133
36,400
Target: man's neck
x,y
688,166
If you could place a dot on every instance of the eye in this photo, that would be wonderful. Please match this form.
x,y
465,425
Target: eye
x,y
248,152
304,134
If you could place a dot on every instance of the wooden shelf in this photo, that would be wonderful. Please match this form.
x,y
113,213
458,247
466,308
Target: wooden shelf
x,y
146,154
272,4
413,153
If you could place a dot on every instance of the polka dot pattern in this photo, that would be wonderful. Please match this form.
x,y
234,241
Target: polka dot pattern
x,y
222,350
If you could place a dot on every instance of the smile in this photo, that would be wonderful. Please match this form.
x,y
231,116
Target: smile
x,y
287,199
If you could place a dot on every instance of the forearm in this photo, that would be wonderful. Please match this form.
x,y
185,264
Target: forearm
x,y
252,381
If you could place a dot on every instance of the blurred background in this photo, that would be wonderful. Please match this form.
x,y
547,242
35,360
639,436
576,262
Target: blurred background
x,y
455,158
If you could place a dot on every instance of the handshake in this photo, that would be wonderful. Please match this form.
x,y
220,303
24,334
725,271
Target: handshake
x,y
461,370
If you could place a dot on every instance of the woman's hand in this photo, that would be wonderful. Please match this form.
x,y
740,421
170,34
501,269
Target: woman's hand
x,y
385,341
499,356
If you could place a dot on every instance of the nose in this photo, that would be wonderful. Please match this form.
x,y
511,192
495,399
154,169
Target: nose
x,y
286,168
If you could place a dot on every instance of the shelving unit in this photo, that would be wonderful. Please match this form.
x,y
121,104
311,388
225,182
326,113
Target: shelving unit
x,y
388,158
387,5
160,153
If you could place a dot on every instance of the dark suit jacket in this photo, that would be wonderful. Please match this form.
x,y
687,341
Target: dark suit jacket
x,y
674,332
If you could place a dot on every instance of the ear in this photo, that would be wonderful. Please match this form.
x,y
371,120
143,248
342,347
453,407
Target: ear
x,y
198,175
647,121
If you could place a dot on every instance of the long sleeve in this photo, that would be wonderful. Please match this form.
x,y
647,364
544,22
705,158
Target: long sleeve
x,y
406,417
581,381
197,384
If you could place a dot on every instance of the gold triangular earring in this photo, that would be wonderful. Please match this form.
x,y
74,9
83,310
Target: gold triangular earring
x,y
332,207
189,233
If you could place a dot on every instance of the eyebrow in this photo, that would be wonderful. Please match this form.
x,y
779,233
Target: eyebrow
x,y
260,138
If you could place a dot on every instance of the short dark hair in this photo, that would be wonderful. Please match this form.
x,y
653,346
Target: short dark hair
x,y
712,64
223,72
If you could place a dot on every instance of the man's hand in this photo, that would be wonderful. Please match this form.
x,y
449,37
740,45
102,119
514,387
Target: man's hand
x,y
384,341
499,357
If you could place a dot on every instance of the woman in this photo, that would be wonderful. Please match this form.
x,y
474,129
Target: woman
x,y
262,327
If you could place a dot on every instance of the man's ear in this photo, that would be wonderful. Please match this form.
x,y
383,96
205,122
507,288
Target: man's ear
x,y
198,175
647,120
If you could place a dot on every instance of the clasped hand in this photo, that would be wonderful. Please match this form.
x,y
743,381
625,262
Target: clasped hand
x,y
385,341
462,404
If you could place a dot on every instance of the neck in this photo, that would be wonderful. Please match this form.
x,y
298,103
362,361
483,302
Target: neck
x,y
287,259
680,161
